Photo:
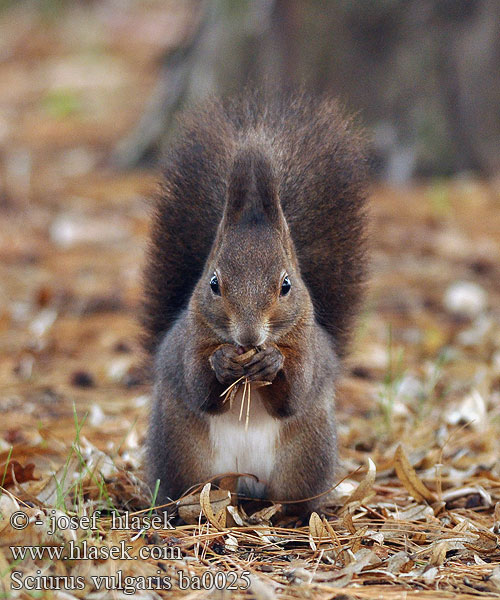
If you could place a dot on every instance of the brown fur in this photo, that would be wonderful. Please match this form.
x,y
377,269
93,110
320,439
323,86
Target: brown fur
x,y
254,188
319,160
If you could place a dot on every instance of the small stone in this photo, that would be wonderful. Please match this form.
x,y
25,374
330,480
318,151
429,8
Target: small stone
x,y
121,347
410,388
141,401
133,377
118,368
476,335
43,322
495,361
96,416
465,298
82,379
218,547
68,230
471,411
44,296
361,372
265,568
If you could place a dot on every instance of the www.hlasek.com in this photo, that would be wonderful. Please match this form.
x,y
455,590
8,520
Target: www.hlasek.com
x,y
85,550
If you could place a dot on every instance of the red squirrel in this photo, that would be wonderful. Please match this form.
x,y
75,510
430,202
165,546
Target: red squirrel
x,y
257,242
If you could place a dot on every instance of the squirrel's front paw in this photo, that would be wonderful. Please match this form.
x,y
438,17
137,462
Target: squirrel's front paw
x,y
265,364
223,362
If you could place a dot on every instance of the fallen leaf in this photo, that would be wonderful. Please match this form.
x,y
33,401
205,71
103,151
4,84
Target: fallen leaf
x,y
398,561
364,488
438,554
264,515
207,509
189,507
13,472
316,530
408,477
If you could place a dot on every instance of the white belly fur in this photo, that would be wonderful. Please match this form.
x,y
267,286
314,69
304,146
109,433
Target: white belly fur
x,y
252,451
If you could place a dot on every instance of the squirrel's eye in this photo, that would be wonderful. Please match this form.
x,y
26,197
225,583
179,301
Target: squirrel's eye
x,y
214,284
285,286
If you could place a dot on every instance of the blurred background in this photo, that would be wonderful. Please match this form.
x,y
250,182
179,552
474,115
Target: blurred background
x,y
423,74
88,96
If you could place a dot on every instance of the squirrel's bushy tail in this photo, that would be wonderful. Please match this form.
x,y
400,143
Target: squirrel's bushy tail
x,y
318,160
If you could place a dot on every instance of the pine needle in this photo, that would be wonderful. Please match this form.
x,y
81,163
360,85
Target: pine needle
x,y
245,385
227,390
248,406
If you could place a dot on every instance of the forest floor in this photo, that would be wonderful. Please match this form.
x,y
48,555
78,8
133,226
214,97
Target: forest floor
x,y
418,510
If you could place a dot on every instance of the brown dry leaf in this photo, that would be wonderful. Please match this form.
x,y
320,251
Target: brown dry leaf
x,y
332,533
362,559
31,534
364,488
8,505
221,517
414,512
487,542
15,472
231,543
266,535
234,517
24,453
5,581
494,580
438,554
316,530
408,477
59,484
420,537
399,562
358,539
430,574
264,515
189,507
349,524
207,509
496,518
315,525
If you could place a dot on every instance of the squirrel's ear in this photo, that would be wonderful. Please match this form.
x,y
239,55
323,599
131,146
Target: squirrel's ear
x,y
252,196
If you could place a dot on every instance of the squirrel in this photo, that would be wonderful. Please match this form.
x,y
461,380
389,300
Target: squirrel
x,y
257,242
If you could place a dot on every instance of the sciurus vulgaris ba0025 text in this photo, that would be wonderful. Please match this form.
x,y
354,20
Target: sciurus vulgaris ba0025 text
x,y
254,272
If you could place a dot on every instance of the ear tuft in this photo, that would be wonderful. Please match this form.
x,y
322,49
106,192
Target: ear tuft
x,y
252,195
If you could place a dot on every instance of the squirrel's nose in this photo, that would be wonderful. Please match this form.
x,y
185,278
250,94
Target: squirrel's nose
x,y
250,336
